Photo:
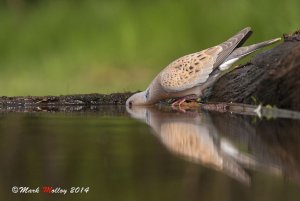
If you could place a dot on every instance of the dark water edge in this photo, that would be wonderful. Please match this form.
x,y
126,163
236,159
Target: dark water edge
x,y
121,158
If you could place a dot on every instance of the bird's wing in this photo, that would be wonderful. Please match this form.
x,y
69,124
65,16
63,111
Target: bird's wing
x,y
194,69
189,71
228,46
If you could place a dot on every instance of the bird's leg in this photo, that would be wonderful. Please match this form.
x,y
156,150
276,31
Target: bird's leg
x,y
183,99
178,102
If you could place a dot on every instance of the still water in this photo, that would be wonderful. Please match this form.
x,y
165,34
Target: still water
x,y
111,153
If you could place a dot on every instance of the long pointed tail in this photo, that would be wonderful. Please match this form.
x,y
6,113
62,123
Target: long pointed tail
x,y
244,51
237,54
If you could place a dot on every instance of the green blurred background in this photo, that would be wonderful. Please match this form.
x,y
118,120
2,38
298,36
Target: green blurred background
x,y
52,47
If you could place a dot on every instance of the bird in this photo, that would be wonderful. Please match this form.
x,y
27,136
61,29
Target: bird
x,y
189,76
193,137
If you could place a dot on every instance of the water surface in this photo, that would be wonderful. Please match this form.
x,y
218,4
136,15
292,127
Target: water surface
x,y
150,154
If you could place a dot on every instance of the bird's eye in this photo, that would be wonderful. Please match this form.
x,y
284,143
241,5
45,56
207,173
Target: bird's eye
x,y
147,93
130,104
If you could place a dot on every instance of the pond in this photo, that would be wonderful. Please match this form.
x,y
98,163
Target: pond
x,y
114,153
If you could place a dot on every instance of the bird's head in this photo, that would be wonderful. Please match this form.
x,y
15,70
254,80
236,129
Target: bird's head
x,y
136,99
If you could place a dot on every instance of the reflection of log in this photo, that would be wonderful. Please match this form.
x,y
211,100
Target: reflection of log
x,y
274,143
272,77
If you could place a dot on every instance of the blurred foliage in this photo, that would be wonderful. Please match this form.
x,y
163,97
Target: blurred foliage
x,y
62,47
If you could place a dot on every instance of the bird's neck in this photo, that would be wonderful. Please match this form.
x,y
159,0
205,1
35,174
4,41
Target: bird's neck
x,y
154,92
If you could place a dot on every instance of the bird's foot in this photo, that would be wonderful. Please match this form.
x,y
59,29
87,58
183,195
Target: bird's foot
x,y
182,100
178,102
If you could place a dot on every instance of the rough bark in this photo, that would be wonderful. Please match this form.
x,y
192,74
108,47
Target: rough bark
x,y
271,77
67,103
67,100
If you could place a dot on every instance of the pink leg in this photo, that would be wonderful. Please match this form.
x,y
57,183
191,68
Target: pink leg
x,y
178,102
183,99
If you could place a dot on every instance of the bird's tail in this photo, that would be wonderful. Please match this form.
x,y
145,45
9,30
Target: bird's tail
x,y
244,51
226,66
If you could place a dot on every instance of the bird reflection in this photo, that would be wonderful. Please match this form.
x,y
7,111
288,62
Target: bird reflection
x,y
192,136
